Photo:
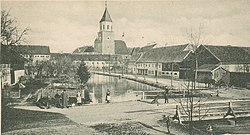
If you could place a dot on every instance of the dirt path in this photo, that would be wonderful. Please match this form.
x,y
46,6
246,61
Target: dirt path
x,y
133,111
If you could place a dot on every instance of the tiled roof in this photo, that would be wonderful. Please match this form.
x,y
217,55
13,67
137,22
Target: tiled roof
x,y
229,54
106,16
10,56
135,57
137,50
130,50
247,49
147,48
120,47
165,54
134,50
84,49
32,49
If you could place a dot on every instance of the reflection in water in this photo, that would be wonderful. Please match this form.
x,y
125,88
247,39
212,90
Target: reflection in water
x,y
121,89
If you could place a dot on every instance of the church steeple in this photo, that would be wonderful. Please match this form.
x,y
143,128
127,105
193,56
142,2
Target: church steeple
x,y
105,42
106,16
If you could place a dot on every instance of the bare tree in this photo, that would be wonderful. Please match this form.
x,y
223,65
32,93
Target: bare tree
x,y
10,33
196,38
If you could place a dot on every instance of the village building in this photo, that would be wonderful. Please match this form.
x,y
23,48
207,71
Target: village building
x,y
136,53
165,61
231,58
94,62
212,73
34,53
12,66
219,62
84,50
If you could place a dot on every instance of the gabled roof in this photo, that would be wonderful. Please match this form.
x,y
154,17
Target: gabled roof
x,y
10,56
165,54
135,57
106,16
137,50
120,47
147,48
32,49
134,50
207,67
84,49
229,54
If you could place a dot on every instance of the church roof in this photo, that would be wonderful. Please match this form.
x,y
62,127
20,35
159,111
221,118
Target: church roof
x,y
120,47
106,16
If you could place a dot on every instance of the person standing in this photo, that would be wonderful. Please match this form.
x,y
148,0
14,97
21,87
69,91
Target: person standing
x,y
64,96
166,95
57,99
78,98
168,125
108,96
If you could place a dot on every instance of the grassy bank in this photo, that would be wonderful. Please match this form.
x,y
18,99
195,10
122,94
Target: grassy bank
x,y
15,119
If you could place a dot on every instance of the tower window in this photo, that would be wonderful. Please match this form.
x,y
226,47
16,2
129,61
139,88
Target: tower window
x,y
103,27
100,27
107,26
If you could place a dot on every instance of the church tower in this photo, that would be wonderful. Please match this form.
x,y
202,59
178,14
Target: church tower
x,y
104,43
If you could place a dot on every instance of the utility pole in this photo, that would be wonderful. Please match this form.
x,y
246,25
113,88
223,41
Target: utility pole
x,y
171,73
109,63
156,77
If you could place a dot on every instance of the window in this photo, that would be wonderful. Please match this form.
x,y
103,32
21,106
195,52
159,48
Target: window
x,y
92,62
175,73
100,27
163,73
107,26
103,27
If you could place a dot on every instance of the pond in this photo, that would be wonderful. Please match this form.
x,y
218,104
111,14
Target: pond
x,y
121,89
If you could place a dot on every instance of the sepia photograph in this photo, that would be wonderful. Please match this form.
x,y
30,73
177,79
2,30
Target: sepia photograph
x,y
125,67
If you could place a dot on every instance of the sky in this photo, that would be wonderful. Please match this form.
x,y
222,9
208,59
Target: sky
x,y
67,25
